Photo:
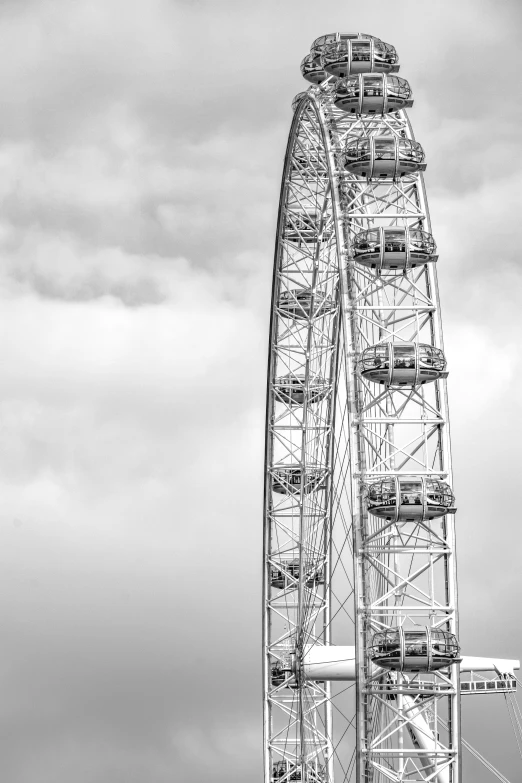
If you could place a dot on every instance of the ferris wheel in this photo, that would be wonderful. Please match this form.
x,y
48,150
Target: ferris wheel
x,y
362,662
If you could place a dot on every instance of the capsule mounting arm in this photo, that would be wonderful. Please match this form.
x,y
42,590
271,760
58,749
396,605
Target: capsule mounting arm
x,y
337,662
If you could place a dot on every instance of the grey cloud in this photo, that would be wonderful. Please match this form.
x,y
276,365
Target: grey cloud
x,y
141,150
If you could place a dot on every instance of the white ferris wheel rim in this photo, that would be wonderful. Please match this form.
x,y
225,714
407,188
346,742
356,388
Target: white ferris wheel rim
x,y
316,102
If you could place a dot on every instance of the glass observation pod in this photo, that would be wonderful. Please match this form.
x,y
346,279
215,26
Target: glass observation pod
x,y
288,480
320,44
423,650
291,389
349,57
303,303
312,70
410,498
393,248
281,674
402,364
283,769
383,156
371,93
286,575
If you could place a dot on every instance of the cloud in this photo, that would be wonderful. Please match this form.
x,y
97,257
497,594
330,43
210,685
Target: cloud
x,y
140,158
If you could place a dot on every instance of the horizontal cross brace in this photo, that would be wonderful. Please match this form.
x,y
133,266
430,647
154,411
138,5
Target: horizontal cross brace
x,y
419,308
390,473
395,420
387,215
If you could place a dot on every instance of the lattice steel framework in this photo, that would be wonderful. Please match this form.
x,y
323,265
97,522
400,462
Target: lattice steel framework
x,y
334,574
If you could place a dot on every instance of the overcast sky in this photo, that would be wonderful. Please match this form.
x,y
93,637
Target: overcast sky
x,y
141,146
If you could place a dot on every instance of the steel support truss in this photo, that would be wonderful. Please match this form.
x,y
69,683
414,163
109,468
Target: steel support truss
x,y
334,575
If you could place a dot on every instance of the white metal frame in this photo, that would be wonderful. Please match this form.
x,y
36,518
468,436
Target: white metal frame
x,y
377,574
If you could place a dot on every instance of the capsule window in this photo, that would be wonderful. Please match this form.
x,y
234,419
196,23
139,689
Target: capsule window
x,y
373,86
398,88
361,51
349,87
383,493
411,493
378,357
411,150
324,39
415,644
394,241
404,357
385,53
384,149
362,150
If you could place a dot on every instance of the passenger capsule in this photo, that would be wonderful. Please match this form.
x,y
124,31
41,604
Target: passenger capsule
x,y
383,157
324,41
312,70
289,480
372,94
393,248
402,364
410,498
303,303
281,674
425,650
349,57
286,770
286,574
292,389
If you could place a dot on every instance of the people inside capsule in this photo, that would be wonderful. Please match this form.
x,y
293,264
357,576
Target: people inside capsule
x,y
393,247
293,389
402,364
403,357
410,498
383,156
286,574
283,769
289,480
302,303
324,41
372,93
281,674
421,650
348,57
292,772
